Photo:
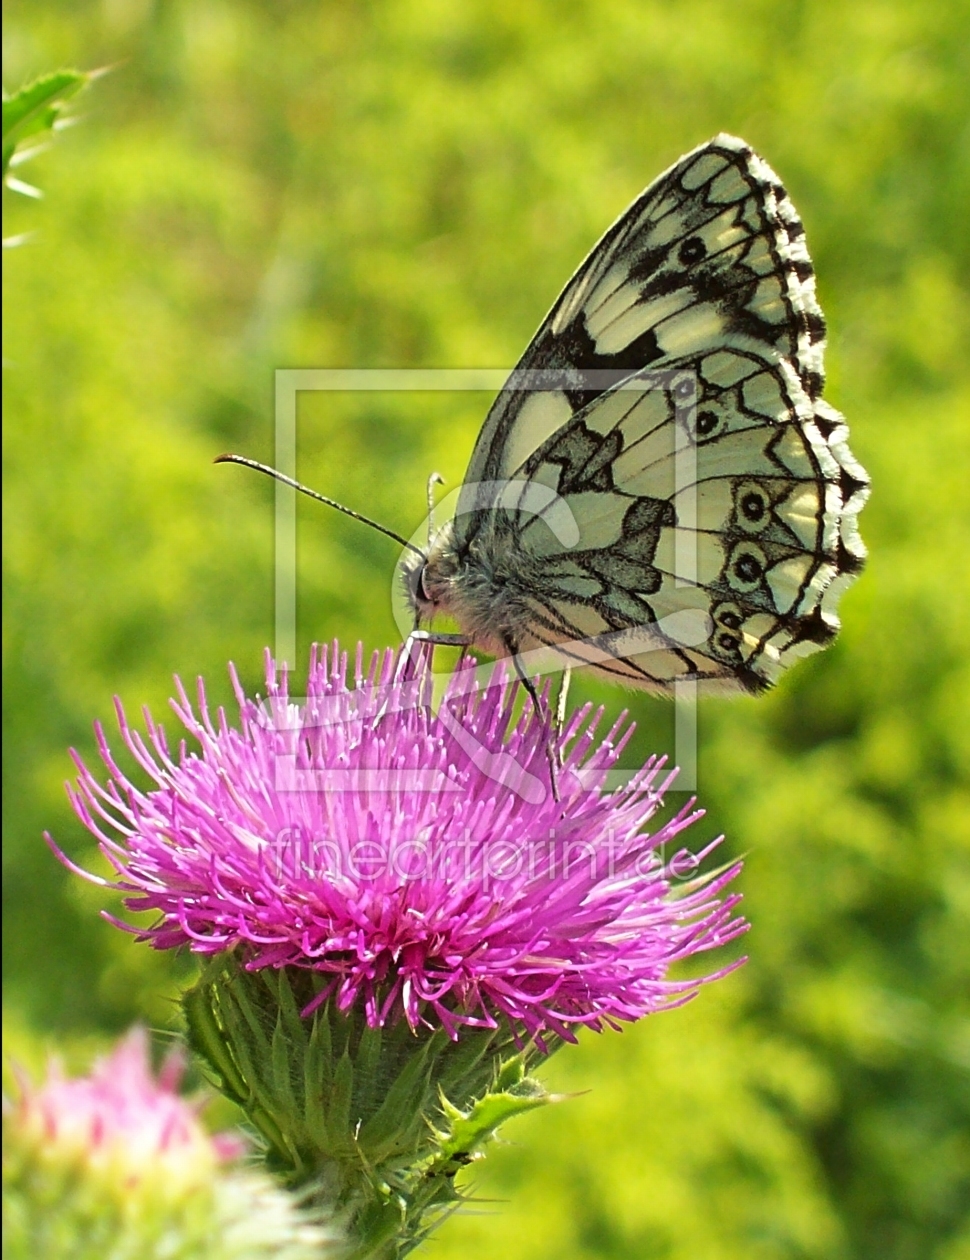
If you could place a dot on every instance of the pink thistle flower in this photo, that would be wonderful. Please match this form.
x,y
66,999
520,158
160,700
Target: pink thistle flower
x,y
123,1122
417,860
117,1163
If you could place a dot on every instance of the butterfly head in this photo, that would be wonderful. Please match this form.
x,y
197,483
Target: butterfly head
x,y
459,583
429,579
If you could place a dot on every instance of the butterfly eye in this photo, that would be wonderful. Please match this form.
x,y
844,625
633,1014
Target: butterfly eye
x,y
422,584
692,251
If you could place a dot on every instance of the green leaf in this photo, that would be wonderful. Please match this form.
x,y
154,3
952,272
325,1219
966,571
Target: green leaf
x,y
510,1074
470,1130
36,107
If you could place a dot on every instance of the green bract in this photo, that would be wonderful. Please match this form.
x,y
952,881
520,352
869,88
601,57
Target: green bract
x,y
374,1123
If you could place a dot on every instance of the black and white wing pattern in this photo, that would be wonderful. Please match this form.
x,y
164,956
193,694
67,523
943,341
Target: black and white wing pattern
x,y
670,407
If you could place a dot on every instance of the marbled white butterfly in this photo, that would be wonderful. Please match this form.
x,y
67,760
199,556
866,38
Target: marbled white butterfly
x,y
659,490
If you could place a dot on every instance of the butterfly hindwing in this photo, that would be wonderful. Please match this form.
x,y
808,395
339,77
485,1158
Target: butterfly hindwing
x,y
709,515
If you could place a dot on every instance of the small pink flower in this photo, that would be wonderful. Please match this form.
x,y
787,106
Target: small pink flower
x,y
121,1120
419,861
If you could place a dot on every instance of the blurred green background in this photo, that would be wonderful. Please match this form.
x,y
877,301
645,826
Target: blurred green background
x,y
409,183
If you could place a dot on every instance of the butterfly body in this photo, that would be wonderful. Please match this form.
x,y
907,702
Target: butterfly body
x,y
659,491
485,588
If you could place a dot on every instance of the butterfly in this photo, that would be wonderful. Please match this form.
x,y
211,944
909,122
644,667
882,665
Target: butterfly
x,y
659,490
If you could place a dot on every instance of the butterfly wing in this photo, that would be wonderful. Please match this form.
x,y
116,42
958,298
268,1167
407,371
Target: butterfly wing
x,y
713,526
713,495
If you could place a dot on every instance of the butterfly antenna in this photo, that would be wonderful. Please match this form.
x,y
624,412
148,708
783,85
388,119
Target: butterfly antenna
x,y
435,479
321,498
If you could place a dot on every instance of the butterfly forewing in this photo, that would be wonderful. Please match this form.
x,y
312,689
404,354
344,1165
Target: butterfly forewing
x,y
711,253
669,405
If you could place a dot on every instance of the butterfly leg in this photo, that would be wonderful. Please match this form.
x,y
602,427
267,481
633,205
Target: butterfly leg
x,y
564,681
437,640
430,639
530,689
419,641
